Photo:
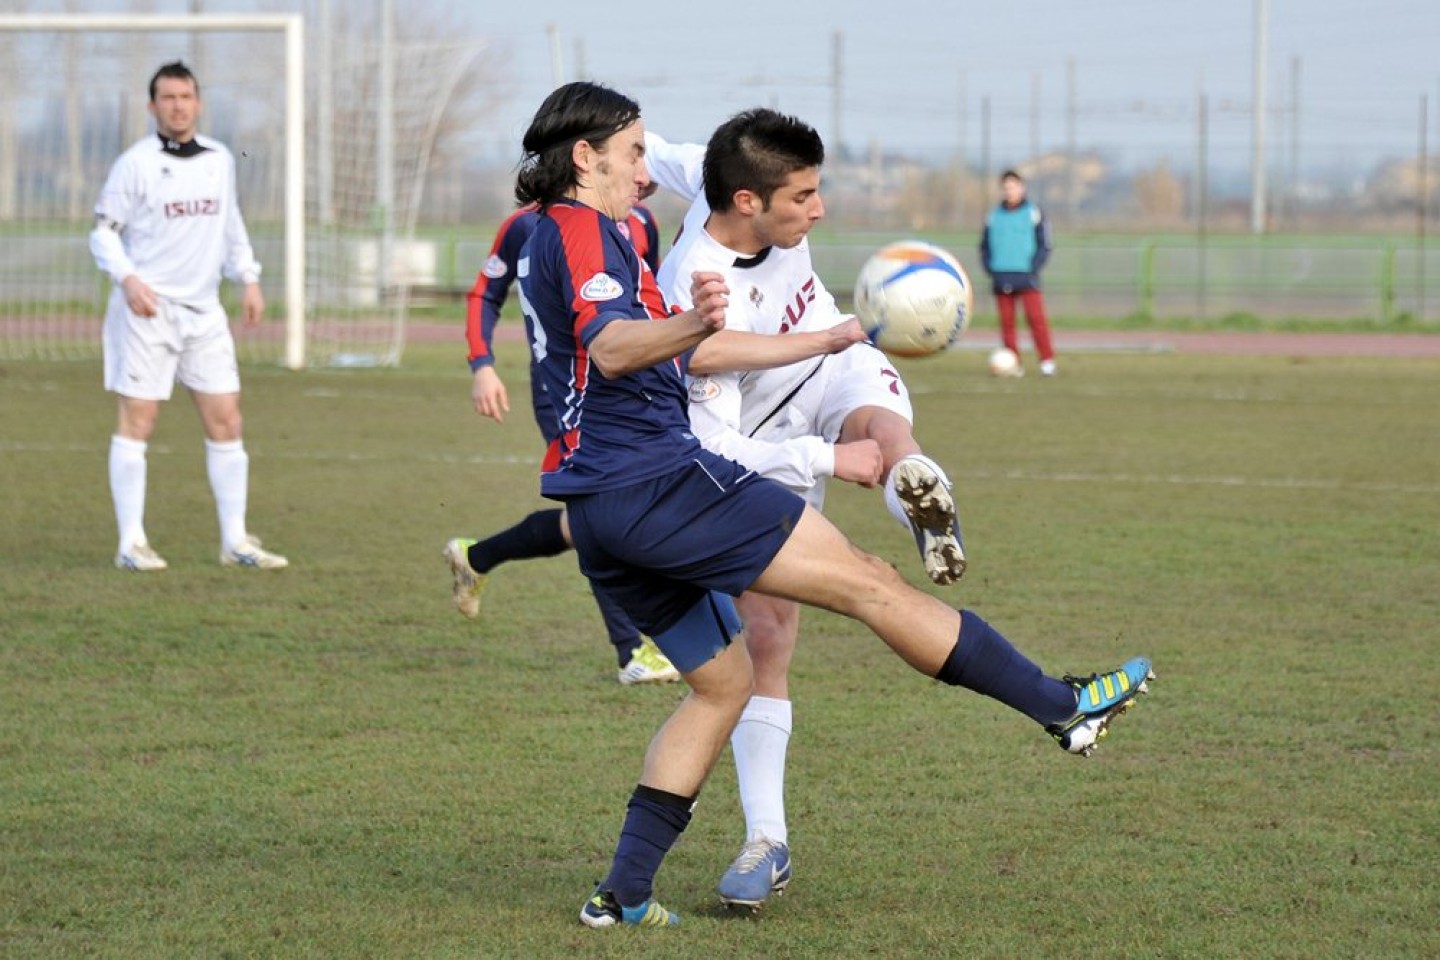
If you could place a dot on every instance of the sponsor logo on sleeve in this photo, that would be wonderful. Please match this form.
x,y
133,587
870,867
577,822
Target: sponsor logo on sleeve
x,y
495,267
702,389
600,288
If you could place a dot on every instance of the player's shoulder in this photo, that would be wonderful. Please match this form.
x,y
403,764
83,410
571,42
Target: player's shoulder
x,y
146,147
210,143
578,224
696,249
521,222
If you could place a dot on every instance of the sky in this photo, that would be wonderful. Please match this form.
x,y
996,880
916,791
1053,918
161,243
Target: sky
x,y
916,78
915,75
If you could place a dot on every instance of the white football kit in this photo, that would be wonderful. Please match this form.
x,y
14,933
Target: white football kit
x,y
782,422
168,214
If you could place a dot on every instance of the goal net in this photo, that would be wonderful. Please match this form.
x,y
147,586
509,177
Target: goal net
x,y
332,217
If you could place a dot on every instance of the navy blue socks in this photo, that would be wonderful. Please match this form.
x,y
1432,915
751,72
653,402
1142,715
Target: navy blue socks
x,y
654,820
538,535
984,661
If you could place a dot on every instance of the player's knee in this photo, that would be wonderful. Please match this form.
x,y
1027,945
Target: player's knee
x,y
870,579
727,680
226,427
137,421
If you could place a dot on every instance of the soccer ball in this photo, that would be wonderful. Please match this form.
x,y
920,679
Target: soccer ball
x,y
913,299
1004,363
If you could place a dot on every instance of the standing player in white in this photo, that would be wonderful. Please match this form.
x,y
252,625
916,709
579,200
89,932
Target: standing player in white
x,y
166,225
846,415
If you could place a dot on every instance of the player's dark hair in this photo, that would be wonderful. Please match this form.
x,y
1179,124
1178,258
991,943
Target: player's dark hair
x,y
175,71
1011,175
756,150
577,111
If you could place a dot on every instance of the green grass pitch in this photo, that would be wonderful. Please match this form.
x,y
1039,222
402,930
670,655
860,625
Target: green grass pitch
x,y
328,761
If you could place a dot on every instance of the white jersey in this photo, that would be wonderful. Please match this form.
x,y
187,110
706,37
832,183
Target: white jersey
x,y
751,416
168,214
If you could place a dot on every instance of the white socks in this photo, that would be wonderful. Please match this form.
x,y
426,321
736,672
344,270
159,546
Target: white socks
x,y
759,743
127,488
892,499
228,466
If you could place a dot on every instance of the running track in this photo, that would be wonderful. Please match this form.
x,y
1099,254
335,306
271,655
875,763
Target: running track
x,y
1128,341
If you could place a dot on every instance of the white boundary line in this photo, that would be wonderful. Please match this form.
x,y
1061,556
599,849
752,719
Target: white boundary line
x,y
1027,476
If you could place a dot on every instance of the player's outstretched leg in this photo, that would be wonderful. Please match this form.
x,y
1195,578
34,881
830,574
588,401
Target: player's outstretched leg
x,y
923,492
1101,697
1076,711
541,534
762,868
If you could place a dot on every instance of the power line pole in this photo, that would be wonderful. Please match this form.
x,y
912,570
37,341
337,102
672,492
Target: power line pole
x,y
557,59
1202,202
961,167
1422,207
1294,191
985,147
1257,135
1071,147
1035,115
837,77
325,115
385,147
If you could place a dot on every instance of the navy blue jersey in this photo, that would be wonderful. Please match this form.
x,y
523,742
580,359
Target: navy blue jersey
x,y
486,298
579,273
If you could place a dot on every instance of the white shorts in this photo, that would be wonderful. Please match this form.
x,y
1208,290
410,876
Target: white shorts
x,y
145,355
861,376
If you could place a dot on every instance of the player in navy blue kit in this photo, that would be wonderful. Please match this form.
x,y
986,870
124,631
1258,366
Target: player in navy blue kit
x,y
674,532
543,533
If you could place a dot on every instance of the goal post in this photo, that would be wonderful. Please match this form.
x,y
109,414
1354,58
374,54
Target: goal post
x,y
292,26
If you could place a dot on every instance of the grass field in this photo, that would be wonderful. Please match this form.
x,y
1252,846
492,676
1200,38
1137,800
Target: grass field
x,y
328,761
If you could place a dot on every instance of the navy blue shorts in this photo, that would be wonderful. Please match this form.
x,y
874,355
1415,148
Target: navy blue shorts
x,y
659,546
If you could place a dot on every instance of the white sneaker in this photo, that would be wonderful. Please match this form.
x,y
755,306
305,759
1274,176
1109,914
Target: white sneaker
x,y
140,558
249,554
648,665
1047,368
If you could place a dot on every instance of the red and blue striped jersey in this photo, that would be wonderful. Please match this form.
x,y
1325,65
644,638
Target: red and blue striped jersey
x,y
492,284
579,273
644,233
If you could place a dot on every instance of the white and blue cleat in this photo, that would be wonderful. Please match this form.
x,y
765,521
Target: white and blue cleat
x,y
762,869
1099,699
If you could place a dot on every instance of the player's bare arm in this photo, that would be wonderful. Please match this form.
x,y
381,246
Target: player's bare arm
x,y
732,350
488,394
252,305
625,346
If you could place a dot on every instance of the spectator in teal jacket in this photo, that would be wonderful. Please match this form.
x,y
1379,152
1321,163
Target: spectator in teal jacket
x,y
1013,249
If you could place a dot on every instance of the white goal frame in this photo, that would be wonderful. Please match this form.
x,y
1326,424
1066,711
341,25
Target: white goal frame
x,y
292,25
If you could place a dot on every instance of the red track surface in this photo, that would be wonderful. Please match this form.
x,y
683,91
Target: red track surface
x,y
1144,341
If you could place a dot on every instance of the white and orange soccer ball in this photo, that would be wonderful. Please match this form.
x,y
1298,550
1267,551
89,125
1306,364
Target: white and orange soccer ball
x,y
913,298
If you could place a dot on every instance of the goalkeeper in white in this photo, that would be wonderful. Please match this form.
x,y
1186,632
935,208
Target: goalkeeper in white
x,y
166,225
